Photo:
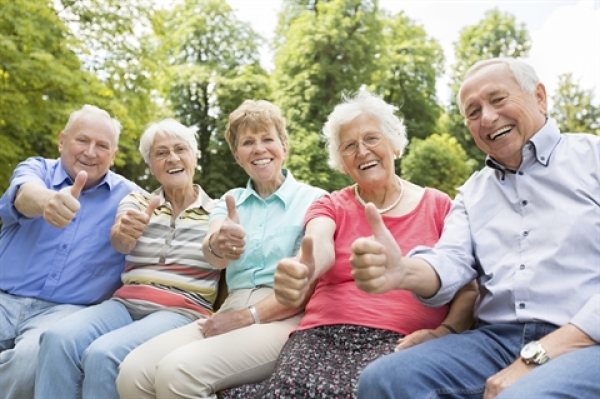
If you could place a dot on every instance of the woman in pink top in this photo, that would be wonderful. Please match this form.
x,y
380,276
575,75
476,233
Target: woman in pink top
x,y
345,328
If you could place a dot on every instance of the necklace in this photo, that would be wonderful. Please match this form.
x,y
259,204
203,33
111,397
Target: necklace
x,y
384,210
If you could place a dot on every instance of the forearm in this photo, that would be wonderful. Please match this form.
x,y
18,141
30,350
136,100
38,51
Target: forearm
x,y
460,315
269,309
31,198
418,276
566,339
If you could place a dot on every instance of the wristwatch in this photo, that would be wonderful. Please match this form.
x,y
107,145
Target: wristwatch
x,y
534,353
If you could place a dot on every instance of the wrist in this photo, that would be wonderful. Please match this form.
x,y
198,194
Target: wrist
x,y
254,314
210,248
449,328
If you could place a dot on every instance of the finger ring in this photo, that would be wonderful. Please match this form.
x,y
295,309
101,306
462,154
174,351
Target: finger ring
x,y
234,250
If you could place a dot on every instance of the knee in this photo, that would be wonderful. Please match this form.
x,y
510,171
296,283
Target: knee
x,y
374,381
175,378
134,377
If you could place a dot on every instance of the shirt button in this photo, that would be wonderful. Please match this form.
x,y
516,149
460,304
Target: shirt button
x,y
543,158
525,233
521,306
64,246
521,173
522,267
524,202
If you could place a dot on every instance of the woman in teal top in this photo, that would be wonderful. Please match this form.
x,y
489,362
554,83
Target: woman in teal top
x,y
250,230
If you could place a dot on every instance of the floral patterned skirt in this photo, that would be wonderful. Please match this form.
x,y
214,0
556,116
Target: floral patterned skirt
x,y
322,362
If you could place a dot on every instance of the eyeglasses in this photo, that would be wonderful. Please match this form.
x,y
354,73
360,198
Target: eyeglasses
x,y
350,147
164,153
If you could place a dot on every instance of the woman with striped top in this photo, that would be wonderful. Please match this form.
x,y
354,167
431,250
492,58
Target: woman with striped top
x,y
167,283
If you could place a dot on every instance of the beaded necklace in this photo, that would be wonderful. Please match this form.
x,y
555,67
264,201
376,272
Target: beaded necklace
x,y
384,210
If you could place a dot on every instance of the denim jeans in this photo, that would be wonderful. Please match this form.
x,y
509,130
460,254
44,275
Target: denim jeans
x,y
458,365
81,356
22,321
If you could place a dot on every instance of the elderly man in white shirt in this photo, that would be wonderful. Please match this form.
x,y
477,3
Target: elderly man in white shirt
x,y
528,227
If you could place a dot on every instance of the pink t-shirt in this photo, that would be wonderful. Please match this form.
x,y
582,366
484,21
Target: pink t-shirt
x,y
337,299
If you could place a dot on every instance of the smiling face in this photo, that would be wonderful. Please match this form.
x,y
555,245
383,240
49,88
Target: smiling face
x,y
500,115
369,166
262,155
90,145
172,162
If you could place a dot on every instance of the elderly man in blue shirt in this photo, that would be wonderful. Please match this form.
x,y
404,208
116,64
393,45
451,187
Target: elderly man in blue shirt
x,y
55,252
528,227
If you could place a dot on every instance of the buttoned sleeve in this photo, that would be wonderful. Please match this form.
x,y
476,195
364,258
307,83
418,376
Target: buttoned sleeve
x,y
588,318
30,170
452,258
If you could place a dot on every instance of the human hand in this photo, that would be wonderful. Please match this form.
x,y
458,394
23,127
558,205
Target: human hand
x,y
62,206
418,337
293,276
133,222
230,239
505,378
375,260
221,323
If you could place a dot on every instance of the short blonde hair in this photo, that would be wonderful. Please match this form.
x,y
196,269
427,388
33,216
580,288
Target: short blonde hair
x,y
257,116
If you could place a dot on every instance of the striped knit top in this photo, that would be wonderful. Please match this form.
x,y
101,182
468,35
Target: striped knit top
x,y
166,269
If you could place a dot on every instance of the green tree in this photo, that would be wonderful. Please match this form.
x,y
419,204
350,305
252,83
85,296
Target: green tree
x,y
210,61
497,35
41,81
573,107
437,161
327,50
114,44
408,67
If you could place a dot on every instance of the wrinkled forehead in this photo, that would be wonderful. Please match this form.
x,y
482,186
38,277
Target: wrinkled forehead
x,y
96,126
484,82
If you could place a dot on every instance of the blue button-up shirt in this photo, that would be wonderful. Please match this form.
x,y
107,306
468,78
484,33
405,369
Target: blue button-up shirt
x,y
531,235
274,229
75,264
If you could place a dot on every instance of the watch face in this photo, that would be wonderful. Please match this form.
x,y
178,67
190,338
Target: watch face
x,y
529,350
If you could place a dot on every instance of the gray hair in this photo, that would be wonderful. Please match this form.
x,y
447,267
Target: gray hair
x,y
169,127
523,73
363,103
89,110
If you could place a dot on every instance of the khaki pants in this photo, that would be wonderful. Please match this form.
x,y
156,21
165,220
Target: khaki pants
x,y
183,364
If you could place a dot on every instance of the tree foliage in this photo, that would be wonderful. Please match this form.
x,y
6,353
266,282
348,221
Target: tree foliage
x,y
41,81
497,35
574,110
210,63
437,161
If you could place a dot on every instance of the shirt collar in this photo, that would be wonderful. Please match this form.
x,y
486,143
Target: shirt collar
x,y
285,192
61,176
544,142
202,201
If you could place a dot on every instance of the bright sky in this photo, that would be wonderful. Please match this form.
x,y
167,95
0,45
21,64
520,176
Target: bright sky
x,y
565,33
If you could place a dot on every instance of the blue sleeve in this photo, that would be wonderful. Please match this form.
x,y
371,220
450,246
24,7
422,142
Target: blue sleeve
x,y
30,170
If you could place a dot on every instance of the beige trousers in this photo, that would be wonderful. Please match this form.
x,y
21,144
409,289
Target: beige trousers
x,y
183,364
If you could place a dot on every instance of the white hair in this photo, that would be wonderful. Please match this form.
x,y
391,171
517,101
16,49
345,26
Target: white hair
x,y
89,110
169,127
523,73
363,103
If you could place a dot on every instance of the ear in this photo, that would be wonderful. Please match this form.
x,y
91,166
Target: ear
x,y
541,98
61,141
114,155
285,149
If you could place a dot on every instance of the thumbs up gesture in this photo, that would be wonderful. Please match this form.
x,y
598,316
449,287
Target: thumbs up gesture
x,y
131,224
62,206
375,260
293,276
230,239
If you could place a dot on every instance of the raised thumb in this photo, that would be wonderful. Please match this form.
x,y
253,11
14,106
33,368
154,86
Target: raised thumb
x,y
307,256
79,183
380,231
154,203
231,211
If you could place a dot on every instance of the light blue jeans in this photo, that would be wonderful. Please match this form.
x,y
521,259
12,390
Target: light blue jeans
x,y
457,366
22,321
81,356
